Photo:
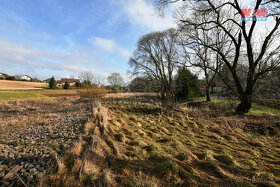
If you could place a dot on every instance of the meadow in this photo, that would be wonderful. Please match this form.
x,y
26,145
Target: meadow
x,y
13,95
131,139
134,141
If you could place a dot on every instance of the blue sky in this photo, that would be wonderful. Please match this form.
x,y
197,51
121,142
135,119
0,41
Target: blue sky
x,y
65,37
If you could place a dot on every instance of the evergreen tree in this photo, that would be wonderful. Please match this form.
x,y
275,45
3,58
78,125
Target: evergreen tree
x,y
66,85
52,83
186,85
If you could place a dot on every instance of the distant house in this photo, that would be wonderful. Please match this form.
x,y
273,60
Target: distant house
x,y
25,78
64,80
47,80
97,85
202,91
220,88
3,75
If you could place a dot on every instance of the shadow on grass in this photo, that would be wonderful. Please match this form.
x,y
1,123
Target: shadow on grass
x,y
156,166
135,104
44,163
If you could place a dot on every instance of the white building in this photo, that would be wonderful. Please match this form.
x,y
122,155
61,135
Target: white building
x,y
25,78
3,75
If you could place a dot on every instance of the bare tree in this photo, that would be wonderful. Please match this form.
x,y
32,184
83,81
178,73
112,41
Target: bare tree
x,y
269,86
86,78
139,84
155,58
90,79
116,81
261,52
201,56
98,80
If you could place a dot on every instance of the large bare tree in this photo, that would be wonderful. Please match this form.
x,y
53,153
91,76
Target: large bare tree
x,y
156,57
86,78
89,79
194,44
116,81
261,50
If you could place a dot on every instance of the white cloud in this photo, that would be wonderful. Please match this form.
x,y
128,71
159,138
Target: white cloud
x,y
140,12
109,46
105,44
18,56
124,52
79,69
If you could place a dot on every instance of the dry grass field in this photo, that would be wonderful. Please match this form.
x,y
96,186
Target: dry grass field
x,y
20,85
132,140
137,142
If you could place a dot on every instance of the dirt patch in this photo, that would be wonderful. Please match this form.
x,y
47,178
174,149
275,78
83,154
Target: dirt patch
x,y
33,133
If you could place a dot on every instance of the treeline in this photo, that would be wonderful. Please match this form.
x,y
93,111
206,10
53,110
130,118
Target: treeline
x,y
185,86
17,78
157,59
91,80
212,37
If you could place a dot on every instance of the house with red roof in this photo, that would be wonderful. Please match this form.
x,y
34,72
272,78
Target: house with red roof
x,y
71,81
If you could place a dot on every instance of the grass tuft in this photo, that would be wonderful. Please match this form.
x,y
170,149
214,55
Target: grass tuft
x,y
120,137
226,158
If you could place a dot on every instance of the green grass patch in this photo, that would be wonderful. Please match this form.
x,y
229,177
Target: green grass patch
x,y
32,94
258,109
19,95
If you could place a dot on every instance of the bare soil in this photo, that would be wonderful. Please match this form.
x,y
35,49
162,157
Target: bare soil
x,y
33,133
20,85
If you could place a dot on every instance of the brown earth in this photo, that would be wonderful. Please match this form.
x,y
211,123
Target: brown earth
x,y
20,85
34,133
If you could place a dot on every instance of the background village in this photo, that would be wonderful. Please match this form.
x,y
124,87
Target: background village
x,y
116,83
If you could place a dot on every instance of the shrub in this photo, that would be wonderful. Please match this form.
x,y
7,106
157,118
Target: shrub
x,y
66,85
78,85
93,93
52,83
12,78
87,84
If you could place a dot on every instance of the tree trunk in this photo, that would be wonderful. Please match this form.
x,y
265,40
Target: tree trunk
x,y
245,105
208,98
162,97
